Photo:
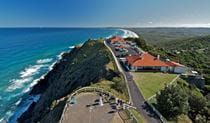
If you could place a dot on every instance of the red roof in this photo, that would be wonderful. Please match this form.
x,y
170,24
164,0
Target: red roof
x,y
147,60
174,64
116,39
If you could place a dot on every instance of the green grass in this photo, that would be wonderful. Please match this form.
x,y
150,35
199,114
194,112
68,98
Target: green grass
x,y
107,85
138,116
116,86
151,82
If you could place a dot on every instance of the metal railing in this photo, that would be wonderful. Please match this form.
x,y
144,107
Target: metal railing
x,y
90,89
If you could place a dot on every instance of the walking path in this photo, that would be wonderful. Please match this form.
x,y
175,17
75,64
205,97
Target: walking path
x,y
135,95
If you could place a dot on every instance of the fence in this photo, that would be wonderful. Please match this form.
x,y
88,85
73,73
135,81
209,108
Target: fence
x,y
89,89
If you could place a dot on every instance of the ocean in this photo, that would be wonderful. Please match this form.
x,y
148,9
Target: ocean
x,y
27,54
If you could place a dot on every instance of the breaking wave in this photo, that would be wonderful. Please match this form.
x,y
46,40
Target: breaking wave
x,y
18,86
25,76
18,83
71,47
60,55
43,61
31,71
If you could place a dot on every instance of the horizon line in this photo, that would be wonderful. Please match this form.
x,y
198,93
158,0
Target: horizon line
x,y
104,27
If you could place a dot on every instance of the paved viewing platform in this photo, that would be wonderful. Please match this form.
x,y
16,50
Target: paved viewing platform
x,y
87,109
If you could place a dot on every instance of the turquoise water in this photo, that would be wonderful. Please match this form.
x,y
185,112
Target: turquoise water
x,y
26,54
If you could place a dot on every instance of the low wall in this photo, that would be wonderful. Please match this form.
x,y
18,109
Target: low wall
x,y
88,89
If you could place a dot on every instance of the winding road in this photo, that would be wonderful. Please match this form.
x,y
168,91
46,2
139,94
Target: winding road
x,y
135,95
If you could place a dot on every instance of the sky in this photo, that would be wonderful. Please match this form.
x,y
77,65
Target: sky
x,y
104,13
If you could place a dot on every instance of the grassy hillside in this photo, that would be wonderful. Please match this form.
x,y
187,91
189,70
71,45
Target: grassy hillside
x,y
90,64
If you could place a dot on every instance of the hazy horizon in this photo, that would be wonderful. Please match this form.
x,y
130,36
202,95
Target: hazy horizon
x,y
109,13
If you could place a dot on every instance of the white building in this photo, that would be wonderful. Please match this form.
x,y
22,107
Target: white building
x,y
147,62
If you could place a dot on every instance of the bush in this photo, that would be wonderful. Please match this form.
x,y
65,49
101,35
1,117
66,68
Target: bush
x,y
172,101
198,107
119,85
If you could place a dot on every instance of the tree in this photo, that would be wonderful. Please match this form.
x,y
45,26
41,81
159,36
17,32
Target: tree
x,y
198,107
172,101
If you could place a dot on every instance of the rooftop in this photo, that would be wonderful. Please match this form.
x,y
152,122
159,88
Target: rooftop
x,y
148,60
116,39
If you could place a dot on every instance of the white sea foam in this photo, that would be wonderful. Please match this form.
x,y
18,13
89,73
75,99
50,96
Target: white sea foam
x,y
18,83
43,61
25,76
51,66
35,81
71,47
1,120
128,33
26,90
18,102
60,55
31,71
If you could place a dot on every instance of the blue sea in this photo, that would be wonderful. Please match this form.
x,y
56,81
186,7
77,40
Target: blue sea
x,y
26,54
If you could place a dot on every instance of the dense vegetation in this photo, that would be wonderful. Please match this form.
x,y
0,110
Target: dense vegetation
x,y
183,99
158,36
194,52
189,46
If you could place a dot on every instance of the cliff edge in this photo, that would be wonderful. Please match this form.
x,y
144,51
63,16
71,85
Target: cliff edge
x,y
81,67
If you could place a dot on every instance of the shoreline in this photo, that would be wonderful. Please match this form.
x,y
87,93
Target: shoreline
x,y
28,97
31,93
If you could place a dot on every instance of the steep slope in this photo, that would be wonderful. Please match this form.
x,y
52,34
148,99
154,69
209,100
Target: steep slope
x,y
81,67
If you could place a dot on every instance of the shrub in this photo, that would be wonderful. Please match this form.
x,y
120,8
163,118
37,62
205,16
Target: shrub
x,y
172,101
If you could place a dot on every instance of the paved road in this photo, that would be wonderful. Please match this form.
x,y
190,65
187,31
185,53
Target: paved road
x,y
139,101
136,96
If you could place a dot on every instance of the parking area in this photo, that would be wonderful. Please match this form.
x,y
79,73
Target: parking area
x,y
125,48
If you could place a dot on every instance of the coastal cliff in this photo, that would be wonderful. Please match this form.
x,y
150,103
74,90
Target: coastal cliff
x,y
81,67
